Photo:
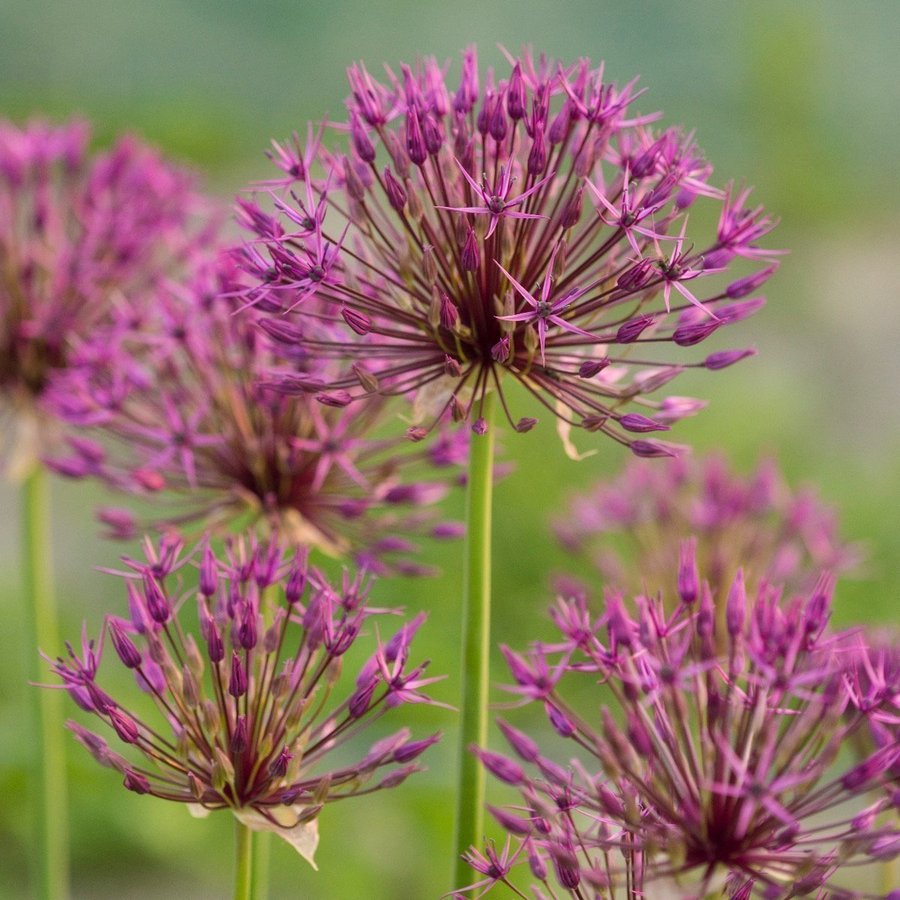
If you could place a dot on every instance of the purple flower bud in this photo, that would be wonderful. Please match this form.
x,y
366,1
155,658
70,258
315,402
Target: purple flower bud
x,y
537,156
449,314
240,737
591,367
640,424
136,782
526,423
413,749
125,648
560,722
124,725
694,333
237,681
523,745
632,330
480,426
736,605
516,100
747,285
156,603
500,766
394,190
209,576
361,143
357,321
688,578
724,358
500,350
470,257
650,449
415,141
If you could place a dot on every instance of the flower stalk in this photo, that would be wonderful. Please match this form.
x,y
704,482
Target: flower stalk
x,y
51,852
476,640
243,861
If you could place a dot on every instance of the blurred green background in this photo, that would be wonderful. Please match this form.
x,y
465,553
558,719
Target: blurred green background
x,y
799,99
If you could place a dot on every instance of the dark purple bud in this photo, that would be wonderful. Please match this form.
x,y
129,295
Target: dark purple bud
x,y
523,745
237,681
572,212
560,722
537,156
247,632
650,449
361,143
240,737
359,702
431,131
209,576
590,367
452,367
724,358
498,125
636,277
736,605
500,766
336,399
279,766
214,645
127,652
688,578
413,749
124,725
641,424
567,871
516,99
480,426
512,824
394,190
694,333
749,283
470,255
136,782
296,582
415,141
526,423
879,763
449,314
156,603
357,321
559,127
500,350
620,627
631,330
354,185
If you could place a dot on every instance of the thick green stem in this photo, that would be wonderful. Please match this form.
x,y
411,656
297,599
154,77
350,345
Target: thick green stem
x,y
48,795
243,861
476,641
262,848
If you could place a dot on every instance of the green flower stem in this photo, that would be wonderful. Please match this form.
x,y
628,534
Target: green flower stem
x,y
49,795
243,861
262,849
476,641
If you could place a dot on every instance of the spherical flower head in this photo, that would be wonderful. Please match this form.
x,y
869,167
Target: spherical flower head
x,y
80,234
705,768
532,227
665,518
249,710
173,404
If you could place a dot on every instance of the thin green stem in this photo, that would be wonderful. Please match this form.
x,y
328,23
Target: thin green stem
x,y
49,795
262,849
476,641
243,861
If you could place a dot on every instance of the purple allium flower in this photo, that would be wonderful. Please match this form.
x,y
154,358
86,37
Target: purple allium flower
x,y
706,765
531,226
248,712
175,400
754,522
80,235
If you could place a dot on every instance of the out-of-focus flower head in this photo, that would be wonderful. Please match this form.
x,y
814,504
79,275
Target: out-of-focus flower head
x,y
705,767
80,235
632,529
171,404
251,713
532,226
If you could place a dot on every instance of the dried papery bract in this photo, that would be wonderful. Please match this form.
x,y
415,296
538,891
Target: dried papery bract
x,y
170,405
533,226
250,712
80,235
704,768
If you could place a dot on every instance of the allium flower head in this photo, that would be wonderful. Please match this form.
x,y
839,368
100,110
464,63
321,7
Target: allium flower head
x,y
633,528
249,712
79,235
171,404
707,768
532,225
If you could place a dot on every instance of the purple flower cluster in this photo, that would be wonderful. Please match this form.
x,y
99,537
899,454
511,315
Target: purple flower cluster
x,y
632,528
532,226
705,768
248,714
170,402
79,236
